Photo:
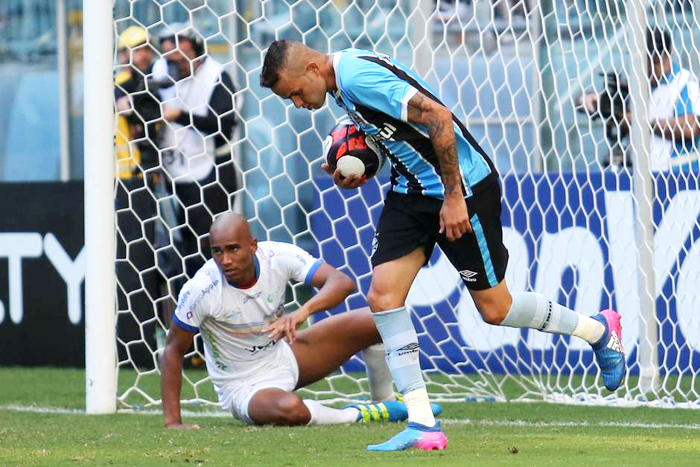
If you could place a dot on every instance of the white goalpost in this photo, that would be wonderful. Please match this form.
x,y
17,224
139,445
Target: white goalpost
x,y
100,234
582,224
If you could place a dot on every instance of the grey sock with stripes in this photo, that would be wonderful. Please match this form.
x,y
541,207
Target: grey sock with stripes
x,y
535,311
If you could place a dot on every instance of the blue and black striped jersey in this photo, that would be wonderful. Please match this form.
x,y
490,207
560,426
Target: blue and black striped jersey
x,y
374,90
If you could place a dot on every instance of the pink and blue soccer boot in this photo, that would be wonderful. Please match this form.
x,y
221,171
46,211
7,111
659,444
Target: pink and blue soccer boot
x,y
388,411
608,350
416,436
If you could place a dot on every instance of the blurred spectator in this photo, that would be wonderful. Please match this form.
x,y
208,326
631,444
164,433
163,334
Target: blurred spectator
x,y
137,103
448,10
673,108
196,151
138,126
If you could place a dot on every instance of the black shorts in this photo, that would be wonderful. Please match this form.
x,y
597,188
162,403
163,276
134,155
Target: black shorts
x,y
410,221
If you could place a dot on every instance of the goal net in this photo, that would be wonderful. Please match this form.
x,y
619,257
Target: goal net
x,y
582,227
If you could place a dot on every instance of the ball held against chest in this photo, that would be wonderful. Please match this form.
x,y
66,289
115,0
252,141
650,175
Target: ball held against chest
x,y
349,149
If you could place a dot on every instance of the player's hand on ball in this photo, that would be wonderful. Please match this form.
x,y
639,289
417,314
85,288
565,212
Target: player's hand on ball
x,y
287,325
454,217
181,426
349,182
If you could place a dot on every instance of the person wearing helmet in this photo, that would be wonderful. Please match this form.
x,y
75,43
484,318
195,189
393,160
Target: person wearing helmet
x,y
137,104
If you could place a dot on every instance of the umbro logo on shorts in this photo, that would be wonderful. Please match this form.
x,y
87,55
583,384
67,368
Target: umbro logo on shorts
x,y
467,275
375,244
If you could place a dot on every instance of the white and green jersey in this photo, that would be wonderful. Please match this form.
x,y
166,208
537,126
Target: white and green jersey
x,y
231,319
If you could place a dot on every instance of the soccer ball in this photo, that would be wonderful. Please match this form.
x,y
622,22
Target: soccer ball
x,y
348,148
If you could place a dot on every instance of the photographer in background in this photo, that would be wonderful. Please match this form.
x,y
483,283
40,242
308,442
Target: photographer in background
x,y
196,147
612,105
673,109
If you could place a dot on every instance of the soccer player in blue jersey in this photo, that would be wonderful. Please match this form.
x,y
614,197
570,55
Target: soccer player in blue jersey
x,y
444,190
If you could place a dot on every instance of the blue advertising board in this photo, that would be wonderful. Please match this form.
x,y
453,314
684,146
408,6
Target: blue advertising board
x,y
570,237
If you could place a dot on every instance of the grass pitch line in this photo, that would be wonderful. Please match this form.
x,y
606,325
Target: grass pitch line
x,y
446,421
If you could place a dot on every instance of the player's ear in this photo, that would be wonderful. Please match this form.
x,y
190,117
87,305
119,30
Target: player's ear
x,y
254,245
313,67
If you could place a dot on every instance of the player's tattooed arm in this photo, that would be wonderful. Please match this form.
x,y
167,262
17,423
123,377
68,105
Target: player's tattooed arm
x,y
454,216
438,120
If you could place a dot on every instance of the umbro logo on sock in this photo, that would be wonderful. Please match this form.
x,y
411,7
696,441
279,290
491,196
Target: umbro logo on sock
x,y
409,348
467,275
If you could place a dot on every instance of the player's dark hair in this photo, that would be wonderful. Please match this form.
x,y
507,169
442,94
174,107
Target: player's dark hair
x,y
274,63
658,43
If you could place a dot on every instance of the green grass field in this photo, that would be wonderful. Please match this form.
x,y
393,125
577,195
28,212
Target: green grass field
x,y
479,434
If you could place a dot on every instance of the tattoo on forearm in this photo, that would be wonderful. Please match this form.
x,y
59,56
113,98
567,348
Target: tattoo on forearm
x,y
422,110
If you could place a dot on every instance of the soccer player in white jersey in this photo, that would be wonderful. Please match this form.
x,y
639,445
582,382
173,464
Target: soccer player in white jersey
x,y
236,300
444,190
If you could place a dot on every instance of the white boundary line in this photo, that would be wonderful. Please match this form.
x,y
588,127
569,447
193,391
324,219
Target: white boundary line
x,y
446,421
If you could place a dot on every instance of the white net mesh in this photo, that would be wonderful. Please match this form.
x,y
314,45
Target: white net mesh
x,y
514,72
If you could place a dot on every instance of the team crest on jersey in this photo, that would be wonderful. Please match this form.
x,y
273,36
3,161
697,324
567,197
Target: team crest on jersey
x,y
247,298
375,243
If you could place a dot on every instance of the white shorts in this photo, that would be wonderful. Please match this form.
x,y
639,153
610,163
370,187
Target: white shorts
x,y
282,373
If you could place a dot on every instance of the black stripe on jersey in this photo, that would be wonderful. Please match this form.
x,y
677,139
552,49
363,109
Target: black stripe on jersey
x,y
406,77
399,168
404,132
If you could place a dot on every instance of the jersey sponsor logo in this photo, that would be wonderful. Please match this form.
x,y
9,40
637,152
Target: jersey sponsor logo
x,y
302,259
387,131
248,298
215,350
469,276
259,348
195,302
234,314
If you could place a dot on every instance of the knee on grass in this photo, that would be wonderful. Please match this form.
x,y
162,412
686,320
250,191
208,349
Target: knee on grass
x,y
287,410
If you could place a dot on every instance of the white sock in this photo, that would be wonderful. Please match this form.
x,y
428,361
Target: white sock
x,y
589,329
381,386
533,310
418,405
324,415
401,342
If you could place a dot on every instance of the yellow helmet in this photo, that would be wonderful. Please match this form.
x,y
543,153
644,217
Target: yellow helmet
x,y
132,37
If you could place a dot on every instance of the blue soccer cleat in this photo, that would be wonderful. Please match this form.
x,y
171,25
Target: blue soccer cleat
x,y
388,411
416,436
608,350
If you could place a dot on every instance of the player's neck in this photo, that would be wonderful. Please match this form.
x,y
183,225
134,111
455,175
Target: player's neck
x,y
329,75
251,278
